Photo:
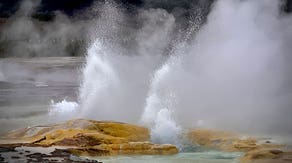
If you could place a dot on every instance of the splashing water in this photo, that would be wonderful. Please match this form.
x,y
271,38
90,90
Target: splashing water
x,y
165,129
64,110
98,76
158,113
153,102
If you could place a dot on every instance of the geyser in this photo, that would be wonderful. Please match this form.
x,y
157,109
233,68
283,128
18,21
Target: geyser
x,y
233,73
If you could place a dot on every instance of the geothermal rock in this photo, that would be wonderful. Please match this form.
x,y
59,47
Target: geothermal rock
x,y
255,151
227,141
139,148
93,138
81,133
221,140
267,156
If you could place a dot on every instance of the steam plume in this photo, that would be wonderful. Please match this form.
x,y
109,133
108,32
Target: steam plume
x,y
231,73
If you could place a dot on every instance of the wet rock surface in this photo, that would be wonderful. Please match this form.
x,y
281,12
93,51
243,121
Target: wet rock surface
x,y
255,150
79,138
10,154
74,139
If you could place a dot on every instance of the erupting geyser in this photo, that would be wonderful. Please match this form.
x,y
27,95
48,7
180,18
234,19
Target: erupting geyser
x,y
159,109
233,73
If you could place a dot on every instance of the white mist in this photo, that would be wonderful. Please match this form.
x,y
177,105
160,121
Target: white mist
x,y
234,74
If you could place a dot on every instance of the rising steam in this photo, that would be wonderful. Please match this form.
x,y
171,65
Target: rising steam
x,y
23,36
233,72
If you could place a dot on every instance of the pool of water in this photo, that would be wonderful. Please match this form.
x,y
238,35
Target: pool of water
x,y
27,87
185,157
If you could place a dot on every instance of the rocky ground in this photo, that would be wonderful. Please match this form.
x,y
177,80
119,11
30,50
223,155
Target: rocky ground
x,y
68,141
38,154
81,138
256,150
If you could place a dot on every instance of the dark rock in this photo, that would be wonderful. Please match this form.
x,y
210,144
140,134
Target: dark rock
x,y
7,149
15,157
36,155
1,159
60,153
276,151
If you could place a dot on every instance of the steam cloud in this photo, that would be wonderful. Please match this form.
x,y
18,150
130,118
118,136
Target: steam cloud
x,y
174,68
235,73
23,36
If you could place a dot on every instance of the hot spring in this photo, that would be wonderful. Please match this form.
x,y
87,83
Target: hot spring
x,y
222,64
